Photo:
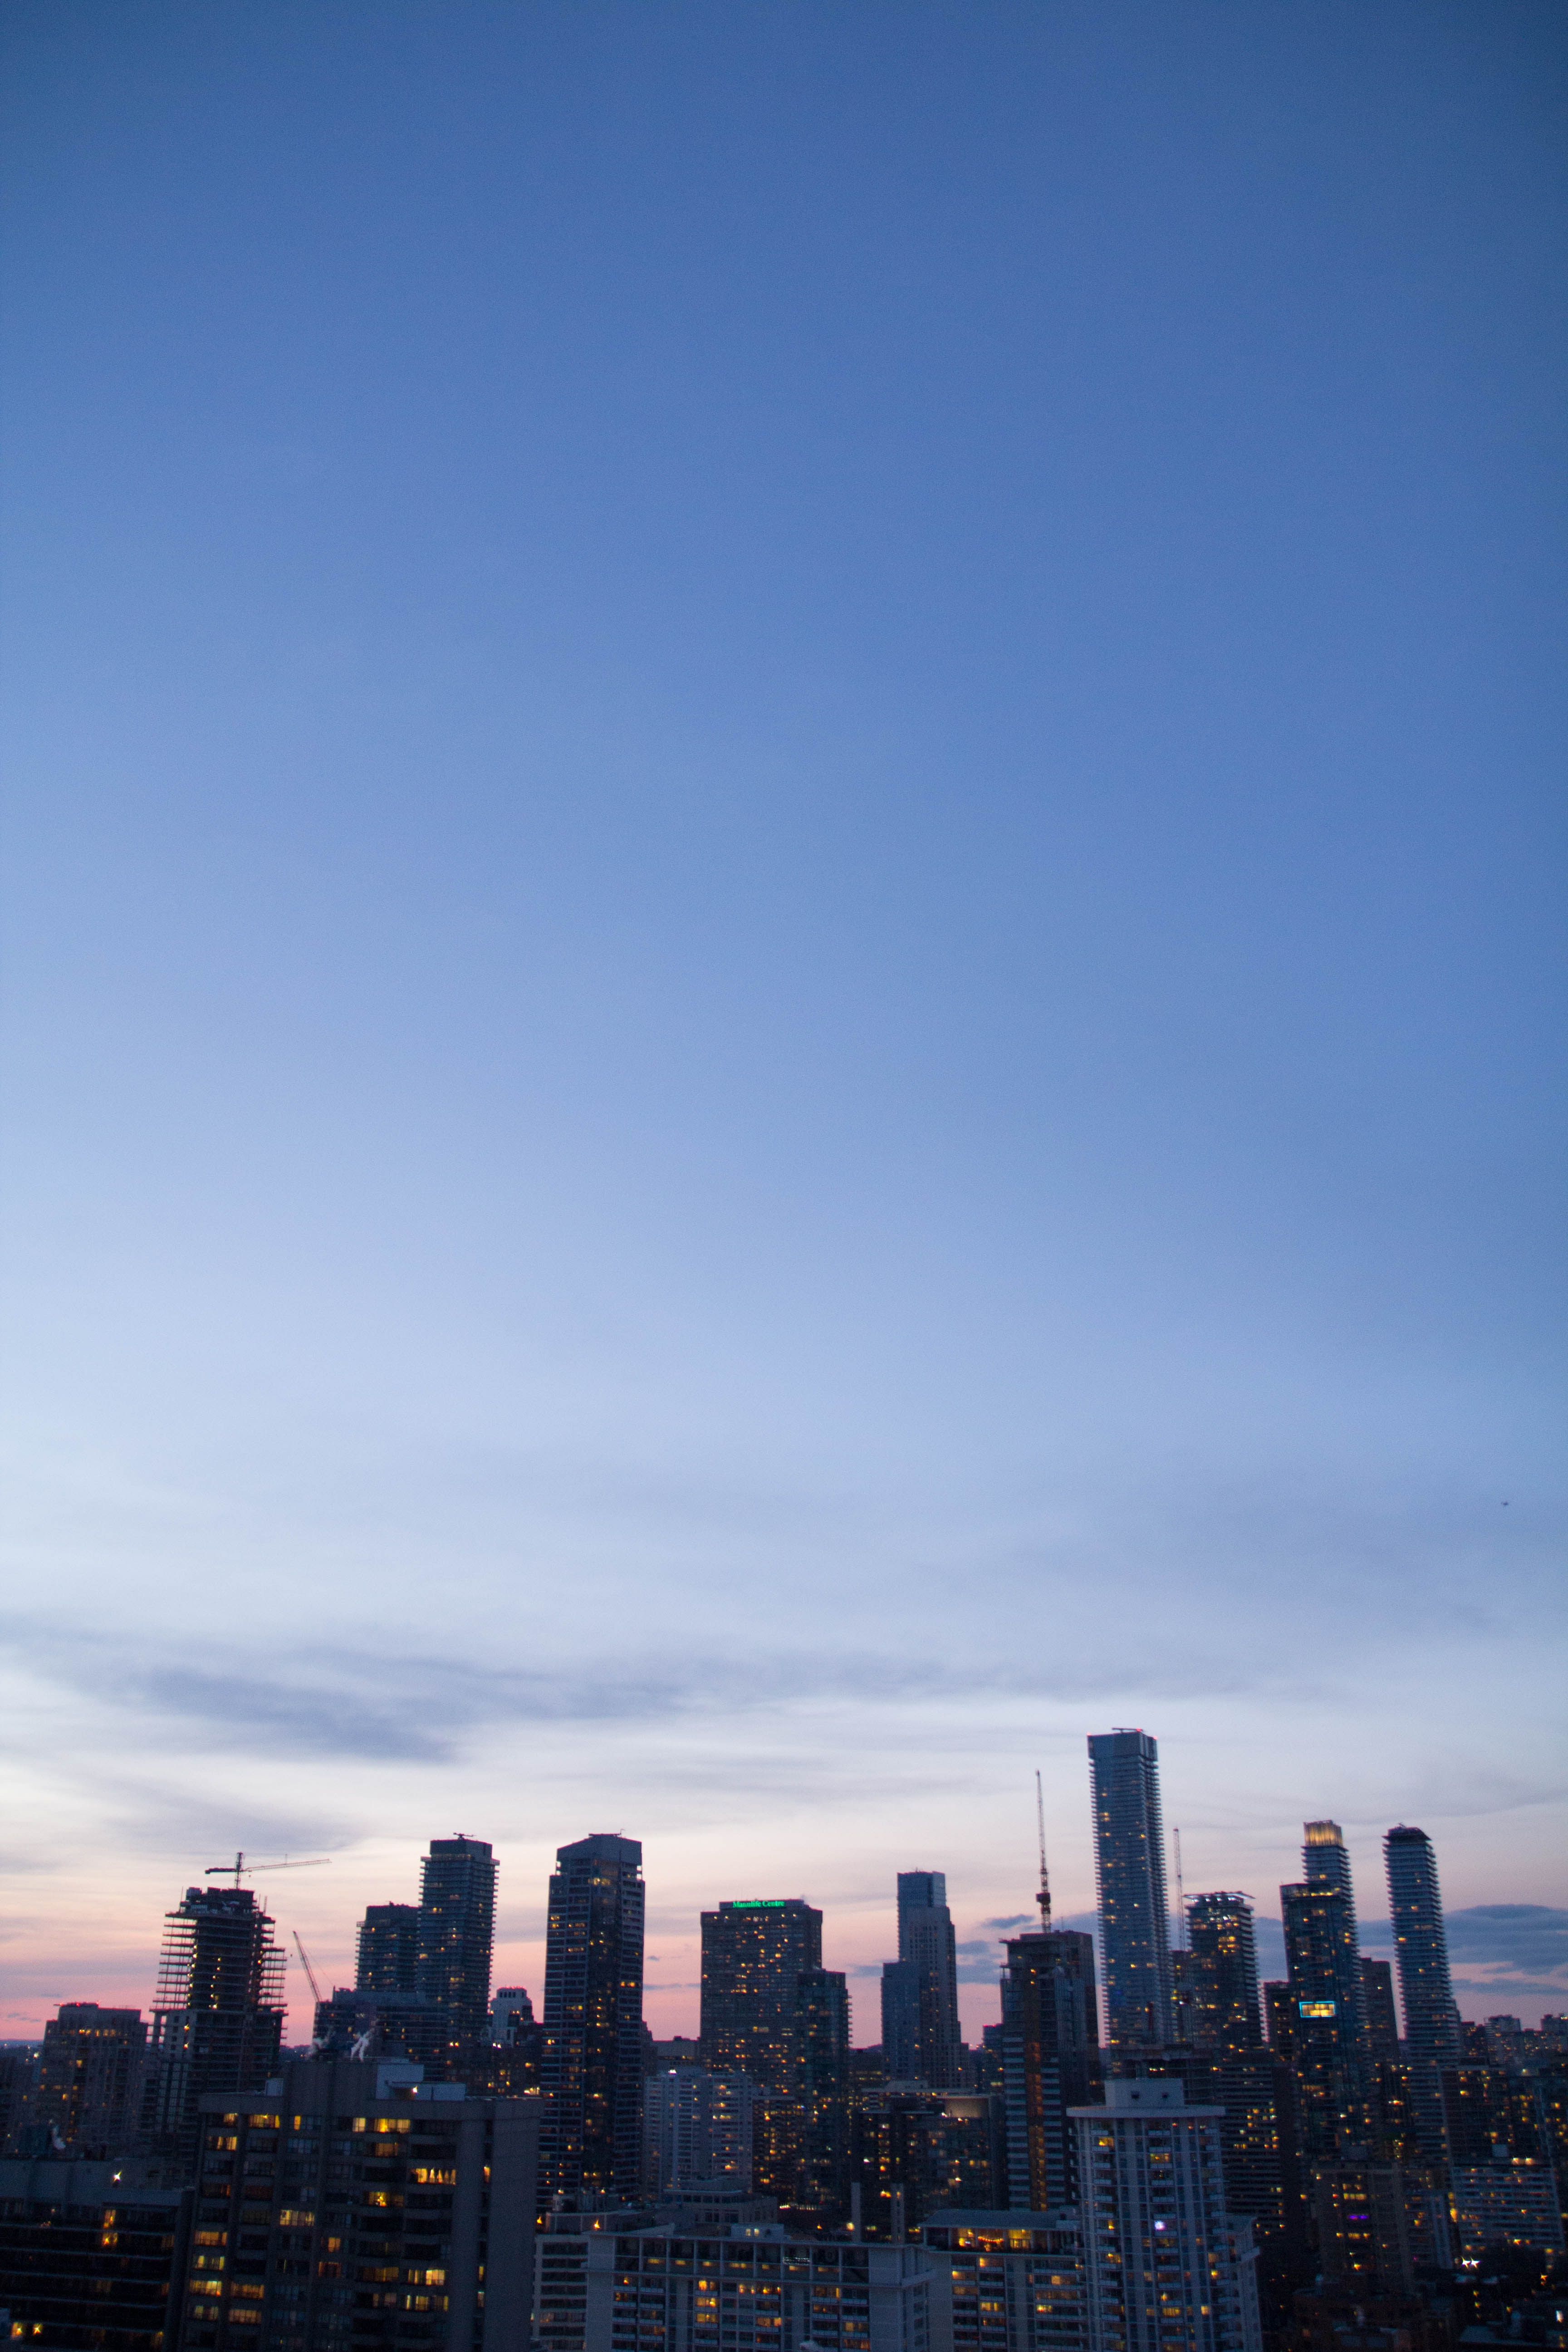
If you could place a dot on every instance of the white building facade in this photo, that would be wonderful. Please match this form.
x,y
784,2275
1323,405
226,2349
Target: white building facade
x,y
1162,2265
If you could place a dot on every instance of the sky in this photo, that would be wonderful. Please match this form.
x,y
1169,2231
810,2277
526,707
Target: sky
x,y
782,987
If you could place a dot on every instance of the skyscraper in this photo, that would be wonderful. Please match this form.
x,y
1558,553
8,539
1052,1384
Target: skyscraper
x,y
822,2007
1050,2061
592,2065
1224,1973
753,1956
1382,2017
767,2004
1328,2043
1129,1874
457,1929
438,2256
1421,1951
88,2095
386,1956
1325,1861
697,2127
921,2040
218,2020
1160,2249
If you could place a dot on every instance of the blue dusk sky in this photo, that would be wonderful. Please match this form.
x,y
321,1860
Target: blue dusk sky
x,y
783,992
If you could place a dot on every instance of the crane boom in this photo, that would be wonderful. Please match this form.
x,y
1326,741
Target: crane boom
x,y
1043,1898
240,1868
310,1971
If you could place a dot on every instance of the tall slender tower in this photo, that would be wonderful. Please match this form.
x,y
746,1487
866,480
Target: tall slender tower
x,y
1327,2038
218,2020
920,1990
1130,1874
456,1928
1224,1973
1325,1861
591,2065
1421,1950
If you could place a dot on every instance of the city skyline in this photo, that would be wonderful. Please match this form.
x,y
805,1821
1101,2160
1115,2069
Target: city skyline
x,y
782,1007
1492,1936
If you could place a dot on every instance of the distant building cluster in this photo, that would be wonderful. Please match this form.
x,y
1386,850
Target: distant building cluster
x,y
1158,2154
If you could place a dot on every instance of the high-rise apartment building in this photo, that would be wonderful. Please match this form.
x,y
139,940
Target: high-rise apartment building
x,y
921,2039
698,2129
1165,2265
743,2289
386,1959
1017,2279
1050,2061
351,2209
457,1931
1129,1875
1421,1953
1327,2041
1325,1861
218,2020
1382,2017
753,1955
771,2009
84,2258
1224,1963
592,2062
88,2093
913,2151
822,2010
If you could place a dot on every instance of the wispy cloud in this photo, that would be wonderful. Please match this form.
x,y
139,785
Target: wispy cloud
x,y
392,1705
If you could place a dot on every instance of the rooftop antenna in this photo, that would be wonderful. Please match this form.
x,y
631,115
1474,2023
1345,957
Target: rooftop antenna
x,y
1043,1898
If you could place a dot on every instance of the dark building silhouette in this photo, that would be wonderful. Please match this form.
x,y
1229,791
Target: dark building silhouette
x,y
351,2208
921,2039
457,1929
591,2064
386,1958
362,2025
1130,1876
1223,1961
1276,2017
517,2043
822,2010
1050,2061
1327,2041
1426,1991
88,2093
86,2261
217,2021
915,2152
19,2074
1382,2018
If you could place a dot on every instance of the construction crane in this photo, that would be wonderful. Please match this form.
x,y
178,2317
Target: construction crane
x,y
240,1868
310,1971
1043,1898
1181,1895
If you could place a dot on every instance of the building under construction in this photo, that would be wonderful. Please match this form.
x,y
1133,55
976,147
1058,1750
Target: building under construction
x,y
217,2022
